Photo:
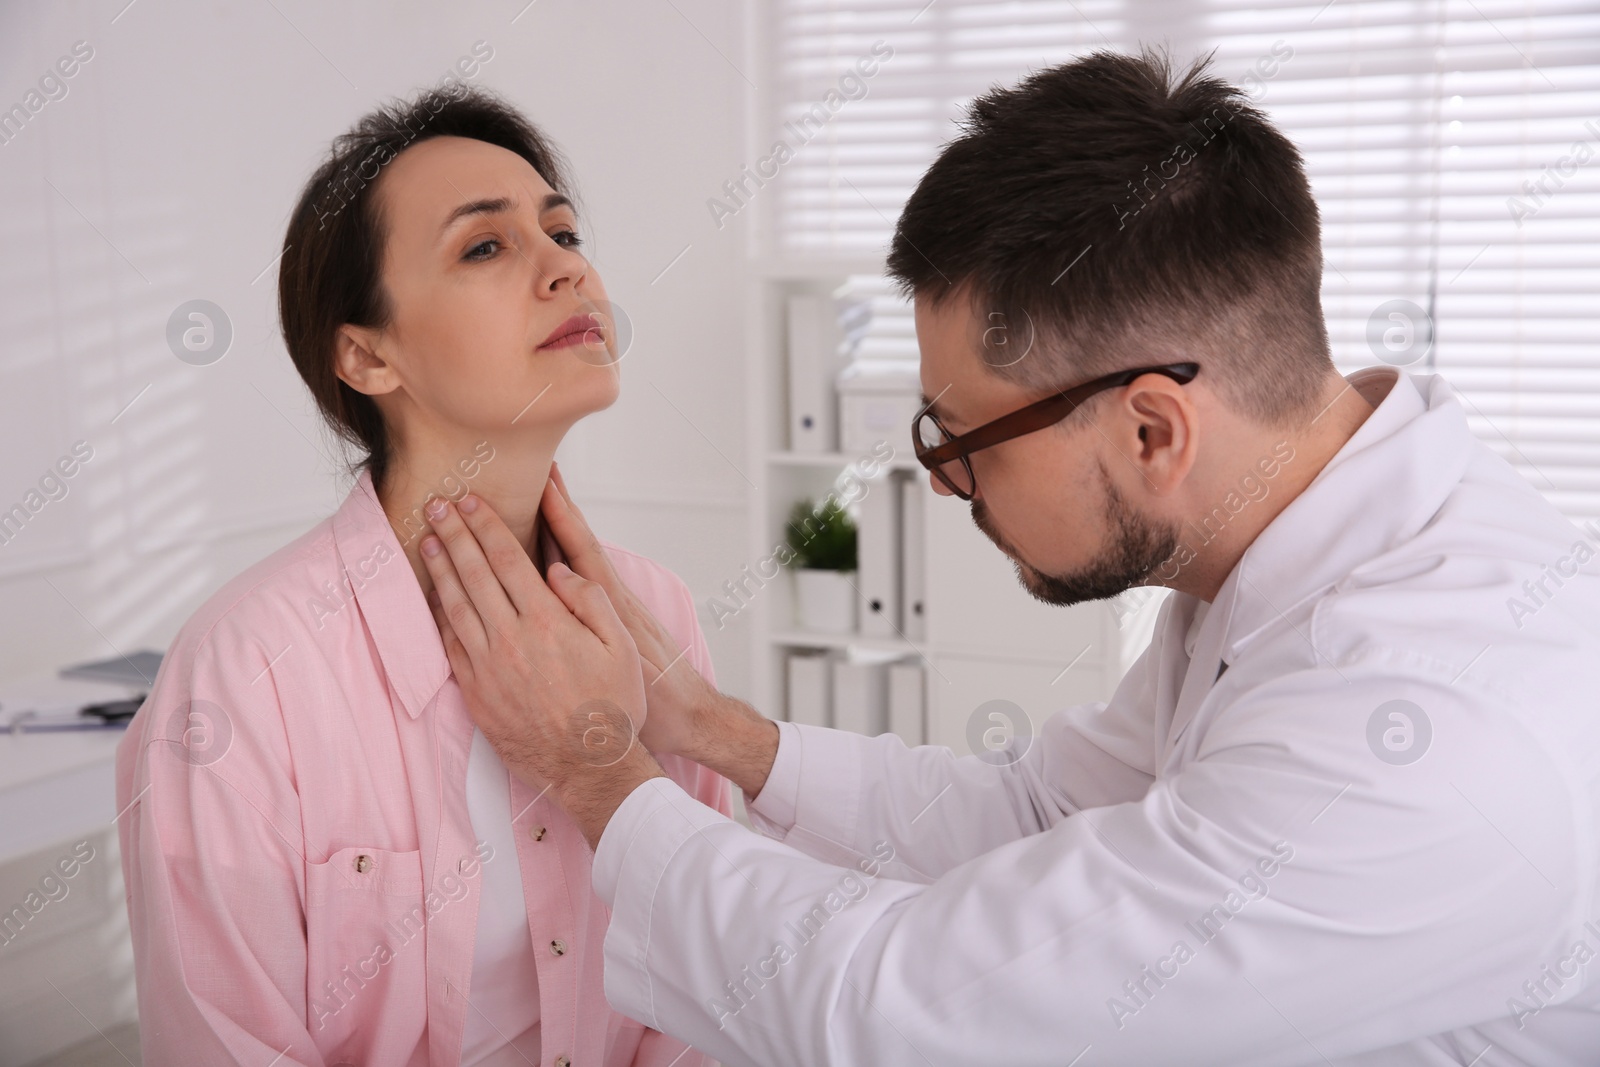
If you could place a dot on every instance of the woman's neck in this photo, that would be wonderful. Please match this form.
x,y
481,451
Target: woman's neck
x,y
509,475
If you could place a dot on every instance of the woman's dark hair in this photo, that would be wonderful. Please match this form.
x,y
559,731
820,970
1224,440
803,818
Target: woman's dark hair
x,y
329,274
1126,212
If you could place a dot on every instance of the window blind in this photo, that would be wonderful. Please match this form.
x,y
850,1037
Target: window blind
x,y
1453,147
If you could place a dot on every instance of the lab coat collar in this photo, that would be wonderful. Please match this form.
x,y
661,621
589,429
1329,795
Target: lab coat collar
x,y
1378,491
390,600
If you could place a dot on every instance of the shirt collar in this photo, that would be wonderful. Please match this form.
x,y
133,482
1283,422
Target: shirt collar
x,y
1378,491
389,598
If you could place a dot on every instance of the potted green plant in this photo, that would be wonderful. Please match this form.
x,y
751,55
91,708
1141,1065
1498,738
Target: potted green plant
x,y
822,539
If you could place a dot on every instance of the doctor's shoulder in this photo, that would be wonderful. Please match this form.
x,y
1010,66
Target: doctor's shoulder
x,y
1451,683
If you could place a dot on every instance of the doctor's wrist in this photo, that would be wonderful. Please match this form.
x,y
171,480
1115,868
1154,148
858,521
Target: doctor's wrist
x,y
735,740
593,794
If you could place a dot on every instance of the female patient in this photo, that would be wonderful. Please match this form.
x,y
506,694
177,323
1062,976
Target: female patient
x,y
326,862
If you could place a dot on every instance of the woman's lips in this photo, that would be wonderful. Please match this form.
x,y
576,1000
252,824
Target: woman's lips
x,y
587,329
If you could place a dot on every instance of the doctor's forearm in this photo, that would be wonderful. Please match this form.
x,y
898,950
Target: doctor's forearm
x,y
736,741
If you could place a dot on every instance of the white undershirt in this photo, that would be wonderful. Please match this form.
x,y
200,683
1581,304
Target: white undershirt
x,y
504,995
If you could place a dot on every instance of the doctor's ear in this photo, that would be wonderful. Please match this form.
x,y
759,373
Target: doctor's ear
x,y
1166,426
357,363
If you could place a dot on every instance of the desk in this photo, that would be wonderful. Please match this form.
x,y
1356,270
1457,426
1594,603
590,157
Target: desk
x,y
71,969
60,785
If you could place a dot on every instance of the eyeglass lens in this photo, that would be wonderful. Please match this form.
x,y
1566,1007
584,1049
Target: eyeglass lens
x,y
953,473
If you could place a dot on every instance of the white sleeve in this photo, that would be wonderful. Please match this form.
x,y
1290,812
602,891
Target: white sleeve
x,y
1280,900
833,794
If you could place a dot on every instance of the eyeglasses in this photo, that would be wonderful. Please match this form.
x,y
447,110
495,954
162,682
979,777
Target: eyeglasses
x,y
946,455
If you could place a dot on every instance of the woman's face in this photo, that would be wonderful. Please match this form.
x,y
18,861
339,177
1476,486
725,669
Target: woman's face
x,y
498,324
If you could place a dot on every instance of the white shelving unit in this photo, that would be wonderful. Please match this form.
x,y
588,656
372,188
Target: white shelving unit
x,y
987,639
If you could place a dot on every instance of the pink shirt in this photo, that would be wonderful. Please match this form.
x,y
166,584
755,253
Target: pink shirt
x,y
300,863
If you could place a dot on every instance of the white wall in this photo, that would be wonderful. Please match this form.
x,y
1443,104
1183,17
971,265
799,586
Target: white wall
x,y
167,173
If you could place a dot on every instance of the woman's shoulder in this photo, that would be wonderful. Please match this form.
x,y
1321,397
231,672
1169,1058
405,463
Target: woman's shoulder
x,y
667,598
210,669
661,589
284,577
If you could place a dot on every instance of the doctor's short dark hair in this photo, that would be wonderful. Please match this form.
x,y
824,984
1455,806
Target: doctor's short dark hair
x,y
1108,212
330,273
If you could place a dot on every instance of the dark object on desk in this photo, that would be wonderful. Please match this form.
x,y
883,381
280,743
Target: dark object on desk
x,y
136,669
58,726
107,714
114,711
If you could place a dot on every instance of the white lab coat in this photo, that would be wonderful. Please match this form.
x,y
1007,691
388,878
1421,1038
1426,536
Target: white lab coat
x,y
1206,870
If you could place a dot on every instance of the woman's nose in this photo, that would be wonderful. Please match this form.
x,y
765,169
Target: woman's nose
x,y
562,269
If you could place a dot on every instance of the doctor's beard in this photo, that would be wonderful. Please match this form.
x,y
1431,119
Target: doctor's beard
x,y
1136,547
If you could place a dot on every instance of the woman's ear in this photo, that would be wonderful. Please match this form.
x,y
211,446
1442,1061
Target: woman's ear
x,y
357,363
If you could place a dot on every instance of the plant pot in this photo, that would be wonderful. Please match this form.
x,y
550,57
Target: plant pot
x,y
825,601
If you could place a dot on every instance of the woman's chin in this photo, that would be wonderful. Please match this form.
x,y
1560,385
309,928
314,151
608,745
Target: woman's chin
x,y
580,391
602,383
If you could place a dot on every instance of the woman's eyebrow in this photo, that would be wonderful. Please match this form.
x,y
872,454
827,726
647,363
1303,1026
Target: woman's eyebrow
x,y
501,204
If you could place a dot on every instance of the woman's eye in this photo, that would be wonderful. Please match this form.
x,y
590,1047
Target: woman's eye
x,y
567,238
477,252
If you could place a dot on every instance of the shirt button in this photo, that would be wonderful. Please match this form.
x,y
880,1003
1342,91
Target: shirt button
x,y
559,947
536,832
462,864
363,864
562,1061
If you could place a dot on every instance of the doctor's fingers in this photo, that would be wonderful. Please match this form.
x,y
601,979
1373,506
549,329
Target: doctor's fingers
x,y
561,487
450,601
454,650
576,539
588,602
508,562
656,643
500,669
468,566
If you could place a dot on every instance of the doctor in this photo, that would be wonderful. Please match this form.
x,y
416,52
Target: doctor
x,y
1342,810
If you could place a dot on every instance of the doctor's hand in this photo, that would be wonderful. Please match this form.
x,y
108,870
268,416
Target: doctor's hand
x,y
687,715
676,693
548,671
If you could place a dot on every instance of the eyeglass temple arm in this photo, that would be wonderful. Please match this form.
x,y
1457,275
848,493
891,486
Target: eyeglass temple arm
x,y
1042,413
